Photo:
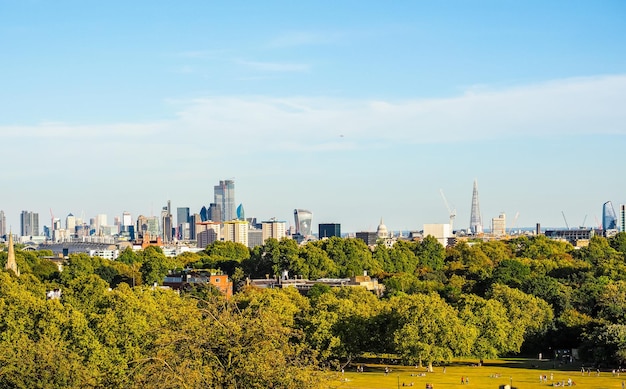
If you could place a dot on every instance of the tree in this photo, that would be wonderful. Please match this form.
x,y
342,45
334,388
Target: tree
x,y
430,253
489,317
428,329
529,315
155,265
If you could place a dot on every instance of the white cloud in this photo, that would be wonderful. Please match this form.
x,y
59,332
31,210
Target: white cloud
x,y
563,107
275,66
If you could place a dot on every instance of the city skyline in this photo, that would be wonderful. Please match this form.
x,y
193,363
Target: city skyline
x,y
353,112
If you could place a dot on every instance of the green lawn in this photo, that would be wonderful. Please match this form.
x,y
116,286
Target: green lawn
x,y
523,373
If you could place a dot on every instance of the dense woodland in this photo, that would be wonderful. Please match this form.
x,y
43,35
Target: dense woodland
x,y
111,328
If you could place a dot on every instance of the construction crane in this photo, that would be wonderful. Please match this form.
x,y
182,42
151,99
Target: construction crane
x,y
584,220
451,212
566,225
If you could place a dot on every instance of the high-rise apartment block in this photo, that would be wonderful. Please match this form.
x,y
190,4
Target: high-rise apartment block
x,y
498,225
207,233
273,229
224,195
29,223
236,231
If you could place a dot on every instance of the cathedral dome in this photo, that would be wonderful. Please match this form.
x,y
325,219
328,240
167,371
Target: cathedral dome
x,y
381,231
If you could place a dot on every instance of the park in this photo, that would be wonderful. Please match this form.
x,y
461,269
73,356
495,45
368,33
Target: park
x,y
517,373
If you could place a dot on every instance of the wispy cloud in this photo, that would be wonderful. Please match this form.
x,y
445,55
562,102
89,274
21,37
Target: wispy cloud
x,y
303,38
558,108
275,66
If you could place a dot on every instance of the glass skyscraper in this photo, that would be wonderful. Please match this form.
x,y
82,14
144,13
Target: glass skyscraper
x,y
609,219
224,195
303,221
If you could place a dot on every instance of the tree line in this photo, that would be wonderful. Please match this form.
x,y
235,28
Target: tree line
x,y
112,328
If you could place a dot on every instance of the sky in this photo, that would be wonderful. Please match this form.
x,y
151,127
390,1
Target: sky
x,y
355,110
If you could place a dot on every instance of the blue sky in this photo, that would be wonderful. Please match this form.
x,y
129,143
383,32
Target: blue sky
x,y
355,110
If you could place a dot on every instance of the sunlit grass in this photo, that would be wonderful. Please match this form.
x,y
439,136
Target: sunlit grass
x,y
522,373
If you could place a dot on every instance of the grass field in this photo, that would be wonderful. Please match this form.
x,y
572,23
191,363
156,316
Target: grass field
x,y
522,373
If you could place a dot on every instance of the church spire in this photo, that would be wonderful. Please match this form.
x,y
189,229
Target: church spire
x,y
11,264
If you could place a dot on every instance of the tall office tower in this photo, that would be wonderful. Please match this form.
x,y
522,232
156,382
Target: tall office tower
x,y
241,214
193,220
622,217
214,213
224,195
236,231
303,221
476,223
152,224
609,220
70,224
142,226
117,222
29,223
167,222
273,229
3,224
204,214
182,222
327,230
498,225
100,222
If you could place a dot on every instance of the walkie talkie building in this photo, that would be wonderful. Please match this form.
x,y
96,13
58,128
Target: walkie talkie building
x,y
303,221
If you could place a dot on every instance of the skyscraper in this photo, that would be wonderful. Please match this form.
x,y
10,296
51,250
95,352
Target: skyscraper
x,y
224,195
241,213
29,223
303,221
609,220
182,223
3,224
476,223
214,213
327,230
622,217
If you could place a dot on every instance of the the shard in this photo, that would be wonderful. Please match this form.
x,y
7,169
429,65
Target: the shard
x,y
476,223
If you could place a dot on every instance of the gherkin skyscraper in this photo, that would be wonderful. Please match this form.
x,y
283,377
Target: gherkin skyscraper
x,y
476,223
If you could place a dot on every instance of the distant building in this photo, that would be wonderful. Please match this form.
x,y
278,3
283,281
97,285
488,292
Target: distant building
x,y
189,279
215,213
381,231
3,224
370,238
303,220
11,264
207,233
236,231
622,217
609,219
224,195
182,218
441,232
476,222
327,230
255,237
29,223
273,229
241,213
304,286
498,225
577,237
